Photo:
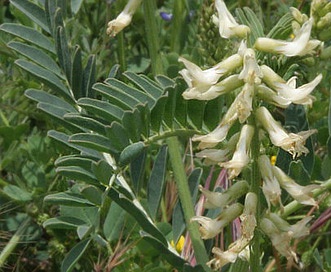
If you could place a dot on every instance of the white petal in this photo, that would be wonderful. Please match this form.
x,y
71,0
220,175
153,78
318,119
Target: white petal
x,y
241,156
302,194
228,26
293,94
301,45
290,142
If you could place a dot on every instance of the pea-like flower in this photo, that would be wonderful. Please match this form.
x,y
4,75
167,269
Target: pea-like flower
x,y
220,132
220,200
239,248
300,95
302,194
207,92
251,72
300,46
271,188
209,228
298,230
280,240
290,142
270,96
123,19
241,156
199,81
214,156
228,27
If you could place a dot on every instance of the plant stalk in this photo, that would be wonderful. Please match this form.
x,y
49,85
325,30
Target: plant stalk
x,y
186,200
255,188
152,34
11,245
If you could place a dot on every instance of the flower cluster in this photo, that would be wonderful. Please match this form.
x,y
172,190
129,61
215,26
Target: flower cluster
x,y
254,85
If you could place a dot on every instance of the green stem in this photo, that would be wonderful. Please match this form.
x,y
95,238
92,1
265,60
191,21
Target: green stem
x,y
255,188
169,133
186,201
11,245
152,35
179,16
121,51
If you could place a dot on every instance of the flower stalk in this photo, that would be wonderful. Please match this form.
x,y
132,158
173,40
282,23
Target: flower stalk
x,y
186,200
152,32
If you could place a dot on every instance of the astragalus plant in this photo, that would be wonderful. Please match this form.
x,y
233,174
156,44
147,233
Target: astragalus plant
x,y
195,152
258,90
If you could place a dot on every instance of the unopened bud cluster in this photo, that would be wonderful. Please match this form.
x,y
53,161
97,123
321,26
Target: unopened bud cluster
x,y
255,85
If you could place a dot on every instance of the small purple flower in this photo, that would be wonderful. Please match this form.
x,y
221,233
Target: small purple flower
x,y
166,16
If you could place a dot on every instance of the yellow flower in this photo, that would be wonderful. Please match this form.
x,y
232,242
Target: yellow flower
x,y
180,244
273,160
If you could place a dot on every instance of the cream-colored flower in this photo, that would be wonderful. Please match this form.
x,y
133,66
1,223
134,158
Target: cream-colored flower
x,y
287,92
209,228
290,142
209,92
280,240
299,229
200,81
248,217
251,72
221,258
243,102
270,187
270,77
123,19
301,45
214,156
295,231
220,132
220,200
268,95
228,27
239,248
241,156
298,95
302,194
213,138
